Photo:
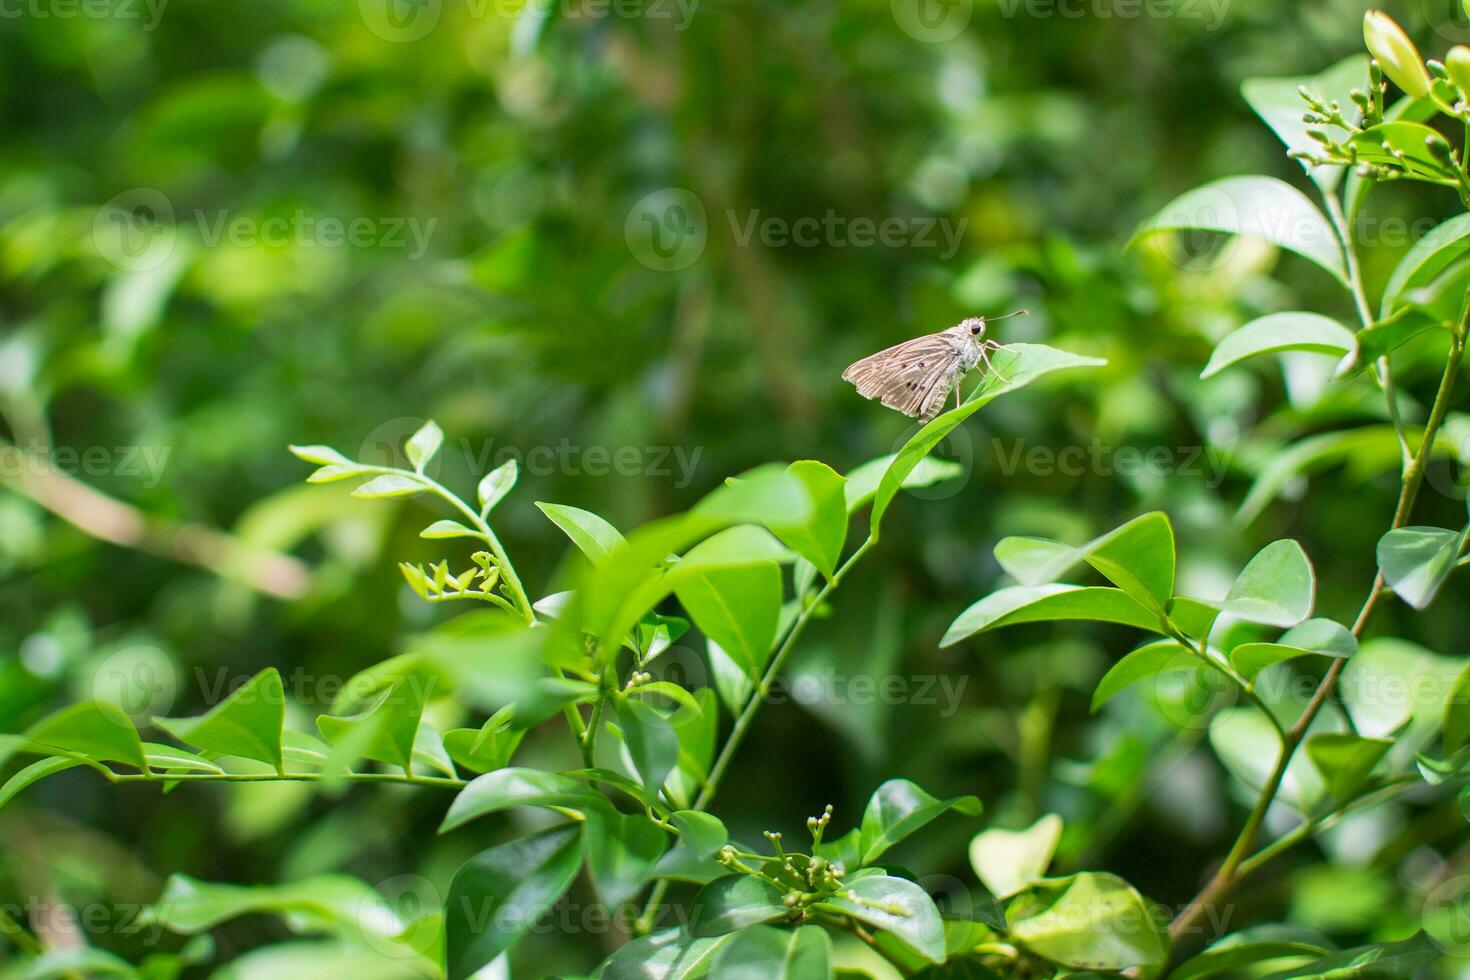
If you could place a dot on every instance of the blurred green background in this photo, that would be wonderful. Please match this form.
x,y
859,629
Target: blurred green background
x,y
227,227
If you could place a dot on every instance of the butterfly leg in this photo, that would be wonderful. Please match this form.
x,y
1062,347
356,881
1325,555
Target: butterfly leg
x,y
985,356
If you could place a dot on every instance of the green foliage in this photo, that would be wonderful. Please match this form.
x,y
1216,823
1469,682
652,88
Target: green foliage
x,y
602,726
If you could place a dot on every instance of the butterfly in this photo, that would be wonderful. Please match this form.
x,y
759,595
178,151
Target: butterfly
x,y
916,376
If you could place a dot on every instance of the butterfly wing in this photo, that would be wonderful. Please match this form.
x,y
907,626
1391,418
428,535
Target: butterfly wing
x,y
913,377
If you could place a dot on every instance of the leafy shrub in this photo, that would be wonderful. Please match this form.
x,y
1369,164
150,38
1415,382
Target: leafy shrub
x,y
755,561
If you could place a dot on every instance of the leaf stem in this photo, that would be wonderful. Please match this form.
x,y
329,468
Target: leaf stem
x,y
1381,372
268,777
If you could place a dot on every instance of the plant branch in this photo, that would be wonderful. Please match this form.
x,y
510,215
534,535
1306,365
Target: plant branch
x,y
108,519
1230,870
752,707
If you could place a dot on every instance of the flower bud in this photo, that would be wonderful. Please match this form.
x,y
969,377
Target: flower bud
x,y
1457,63
1395,53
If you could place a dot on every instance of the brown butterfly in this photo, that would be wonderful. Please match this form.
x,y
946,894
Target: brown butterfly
x,y
916,376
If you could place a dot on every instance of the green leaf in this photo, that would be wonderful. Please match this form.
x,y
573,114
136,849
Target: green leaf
x,y
166,758
1008,861
1249,746
341,471
897,809
92,729
1040,603
34,773
486,748
734,902
1455,730
394,714
1367,449
1416,561
499,893
668,955
1429,256
622,849
333,904
1149,660
517,786
1251,947
423,444
652,743
1345,760
1089,921
1276,587
1401,143
1384,687
495,485
1320,637
863,481
1138,557
320,455
1383,961
691,859
738,608
732,683
441,530
820,539
767,953
1260,207
1012,369
391,485
896,906
247,724
592,535
1279,103
1281,332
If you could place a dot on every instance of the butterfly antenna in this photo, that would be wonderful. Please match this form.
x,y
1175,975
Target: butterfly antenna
x,y
1006,316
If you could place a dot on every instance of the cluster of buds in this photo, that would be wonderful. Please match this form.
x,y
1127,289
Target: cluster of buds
x,y
637,679
437,584
804,879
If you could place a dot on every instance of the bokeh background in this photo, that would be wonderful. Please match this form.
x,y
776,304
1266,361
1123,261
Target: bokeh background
x,y
556,230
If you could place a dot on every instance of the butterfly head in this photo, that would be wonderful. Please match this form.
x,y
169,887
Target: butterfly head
x,y
976,324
